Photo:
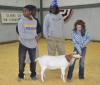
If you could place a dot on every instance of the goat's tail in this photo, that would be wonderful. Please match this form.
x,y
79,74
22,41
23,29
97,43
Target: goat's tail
x,y
36,59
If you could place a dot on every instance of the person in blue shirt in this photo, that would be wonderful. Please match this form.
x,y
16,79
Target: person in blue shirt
x,y
80,39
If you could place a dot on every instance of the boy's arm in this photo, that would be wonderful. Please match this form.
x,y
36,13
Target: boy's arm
x,y
39,29
45,27
36,35
64,29
21,29
17,29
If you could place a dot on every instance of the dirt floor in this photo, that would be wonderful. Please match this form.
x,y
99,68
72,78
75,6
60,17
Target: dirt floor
x,y
9,66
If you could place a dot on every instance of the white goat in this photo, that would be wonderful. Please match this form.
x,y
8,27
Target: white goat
x,y
56,62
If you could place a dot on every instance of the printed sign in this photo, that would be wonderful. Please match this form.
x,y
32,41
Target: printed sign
x,y
7,17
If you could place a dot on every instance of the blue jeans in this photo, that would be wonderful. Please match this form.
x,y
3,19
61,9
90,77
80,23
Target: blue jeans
x,y
81,65
22,57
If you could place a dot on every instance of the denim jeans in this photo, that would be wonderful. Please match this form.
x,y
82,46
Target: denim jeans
x,y
22,57
81,65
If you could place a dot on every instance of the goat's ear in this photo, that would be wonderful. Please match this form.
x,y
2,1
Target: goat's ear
x,y
71,54
69,57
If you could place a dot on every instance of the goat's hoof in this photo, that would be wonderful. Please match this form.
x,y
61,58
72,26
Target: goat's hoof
x,y
64,81
42,80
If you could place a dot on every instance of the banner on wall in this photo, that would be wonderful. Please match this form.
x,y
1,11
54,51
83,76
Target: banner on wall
x,y
7,17
66,13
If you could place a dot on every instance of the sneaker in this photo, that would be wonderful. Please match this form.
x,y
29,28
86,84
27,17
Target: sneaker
x,y
69,80
81,78
20,79
34,78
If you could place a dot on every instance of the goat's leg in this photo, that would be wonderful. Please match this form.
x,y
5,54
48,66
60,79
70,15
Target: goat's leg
x,y
42,74
63,74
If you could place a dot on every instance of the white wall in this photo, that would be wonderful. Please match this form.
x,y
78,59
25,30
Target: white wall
x,y
46,3
18,3
92,18
8,31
